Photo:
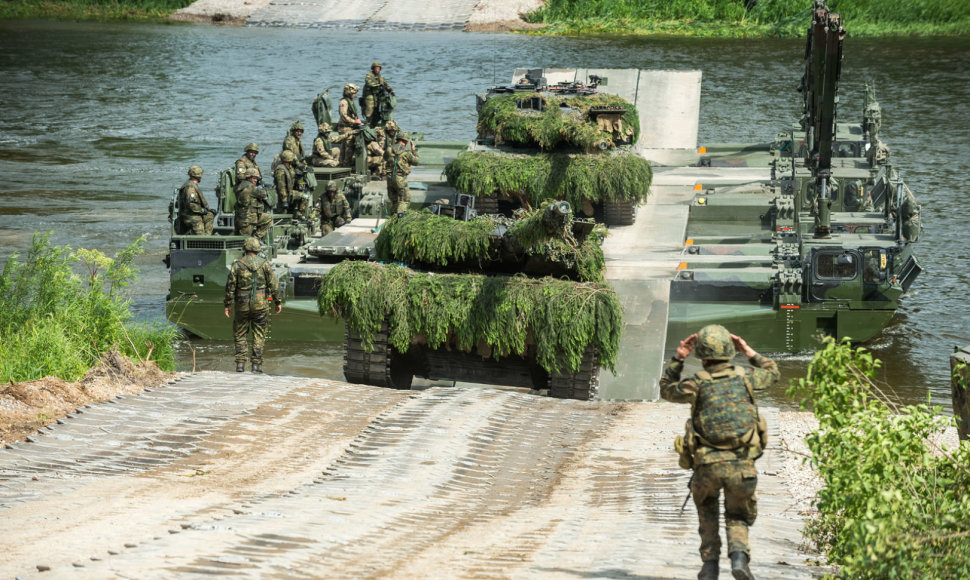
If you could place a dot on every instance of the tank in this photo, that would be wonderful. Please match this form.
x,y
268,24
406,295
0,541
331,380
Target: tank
x,y
484,299
826,247
549,136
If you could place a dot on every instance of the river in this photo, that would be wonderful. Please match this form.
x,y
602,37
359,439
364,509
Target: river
x,y
98,123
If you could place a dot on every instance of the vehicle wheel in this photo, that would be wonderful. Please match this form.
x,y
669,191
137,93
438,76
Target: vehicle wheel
x,y
580,385
486,205
620,213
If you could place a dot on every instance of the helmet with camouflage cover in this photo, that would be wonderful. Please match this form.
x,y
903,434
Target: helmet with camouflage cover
x,y
250,173
252,147
323,127
350,88
402,136
391,127
375,64
296,126
288,156
195,171
251,245
714,343
379,131
331,185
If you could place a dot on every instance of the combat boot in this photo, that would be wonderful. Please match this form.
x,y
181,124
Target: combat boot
x,y
739,566
257,368
240,367
708,571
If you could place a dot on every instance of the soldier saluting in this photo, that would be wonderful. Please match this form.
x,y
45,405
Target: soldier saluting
x,y
725,434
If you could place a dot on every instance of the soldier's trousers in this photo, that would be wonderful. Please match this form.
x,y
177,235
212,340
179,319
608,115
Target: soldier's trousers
x,y
398,194
244,322
738,479
258,228
198,225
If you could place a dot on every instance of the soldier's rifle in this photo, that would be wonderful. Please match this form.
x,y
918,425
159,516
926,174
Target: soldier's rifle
x,y
690,490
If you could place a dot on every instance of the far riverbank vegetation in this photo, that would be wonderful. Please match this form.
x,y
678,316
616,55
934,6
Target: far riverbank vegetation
x,y
748,18
61,309
895,501
96,10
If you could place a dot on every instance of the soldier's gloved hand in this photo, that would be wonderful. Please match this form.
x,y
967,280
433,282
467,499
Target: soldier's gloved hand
x,y
339,222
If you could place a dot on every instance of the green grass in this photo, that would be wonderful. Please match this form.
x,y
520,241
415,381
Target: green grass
x,y
768,18
60,309
124,11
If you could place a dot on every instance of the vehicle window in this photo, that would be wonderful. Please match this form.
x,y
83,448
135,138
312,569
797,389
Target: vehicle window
x,y
835,266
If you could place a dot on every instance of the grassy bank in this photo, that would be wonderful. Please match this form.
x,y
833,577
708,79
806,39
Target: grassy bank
x,y
62,309
749,18
101,11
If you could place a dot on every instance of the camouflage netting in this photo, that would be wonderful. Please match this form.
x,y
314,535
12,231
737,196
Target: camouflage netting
x,y
428,240
464,311
563,121
532,179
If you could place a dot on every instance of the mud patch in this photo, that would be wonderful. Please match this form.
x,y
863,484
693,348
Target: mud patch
x,y
28,406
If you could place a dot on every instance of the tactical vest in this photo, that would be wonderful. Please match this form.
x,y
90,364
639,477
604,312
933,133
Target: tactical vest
x,y
725,415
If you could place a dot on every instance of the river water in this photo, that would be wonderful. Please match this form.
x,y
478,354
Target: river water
x,y
98,124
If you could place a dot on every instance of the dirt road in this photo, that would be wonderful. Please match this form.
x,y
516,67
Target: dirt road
x,y
283,477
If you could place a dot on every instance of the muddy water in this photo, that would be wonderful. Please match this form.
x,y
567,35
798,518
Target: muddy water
x,y
98,124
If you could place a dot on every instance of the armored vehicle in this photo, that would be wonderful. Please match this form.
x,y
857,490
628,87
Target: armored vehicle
x,y
517,302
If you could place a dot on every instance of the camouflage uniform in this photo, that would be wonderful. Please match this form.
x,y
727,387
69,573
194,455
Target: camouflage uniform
x,y
375,156
334,213
291,143
194,210
372,82
347,125
398,160
324,153
251,219
244,163
714,469
251,283
285,180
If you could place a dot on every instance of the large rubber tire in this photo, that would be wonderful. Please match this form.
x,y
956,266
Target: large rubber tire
x,y
381,367
580,385
486,205
620,213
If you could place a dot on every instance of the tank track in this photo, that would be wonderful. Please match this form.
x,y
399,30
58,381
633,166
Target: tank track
x,y
580,385
620,213
377,367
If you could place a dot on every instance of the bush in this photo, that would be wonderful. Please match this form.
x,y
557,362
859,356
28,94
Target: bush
x,y
894,504
57,321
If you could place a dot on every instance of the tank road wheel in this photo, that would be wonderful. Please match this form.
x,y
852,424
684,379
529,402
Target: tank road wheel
x,y
380,367
486,205
620,213
580,385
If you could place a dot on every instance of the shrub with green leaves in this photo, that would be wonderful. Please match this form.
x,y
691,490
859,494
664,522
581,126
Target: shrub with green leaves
x,y
564,120
60,309
462,310
894,504
532,179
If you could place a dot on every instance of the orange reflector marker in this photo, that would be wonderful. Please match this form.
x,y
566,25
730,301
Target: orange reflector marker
x,y
698,187
790,306
689,242
682,266
702,149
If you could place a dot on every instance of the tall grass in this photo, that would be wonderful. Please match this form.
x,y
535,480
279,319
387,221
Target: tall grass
x,y
99,10
60,309
784,18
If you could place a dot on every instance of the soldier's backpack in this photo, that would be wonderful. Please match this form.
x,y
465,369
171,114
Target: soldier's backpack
x,y
725,415
321,108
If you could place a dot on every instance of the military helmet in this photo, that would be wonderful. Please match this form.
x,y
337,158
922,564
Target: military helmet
x,y
379,131
402,136
195,171
351,88
391,127
296,126
288,156
252,147
251,172
376,64
251,245
714,343
323,127
331,185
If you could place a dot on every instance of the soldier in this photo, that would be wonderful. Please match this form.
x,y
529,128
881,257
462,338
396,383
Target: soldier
x,y
348,125
375,156
324,153
251,217
334,209
398,159
725,435
391,130
194,211
248,161
373,83
294,142
285,180
251,286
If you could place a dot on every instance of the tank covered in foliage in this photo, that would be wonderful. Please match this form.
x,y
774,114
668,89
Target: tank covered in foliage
x,y
518,302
